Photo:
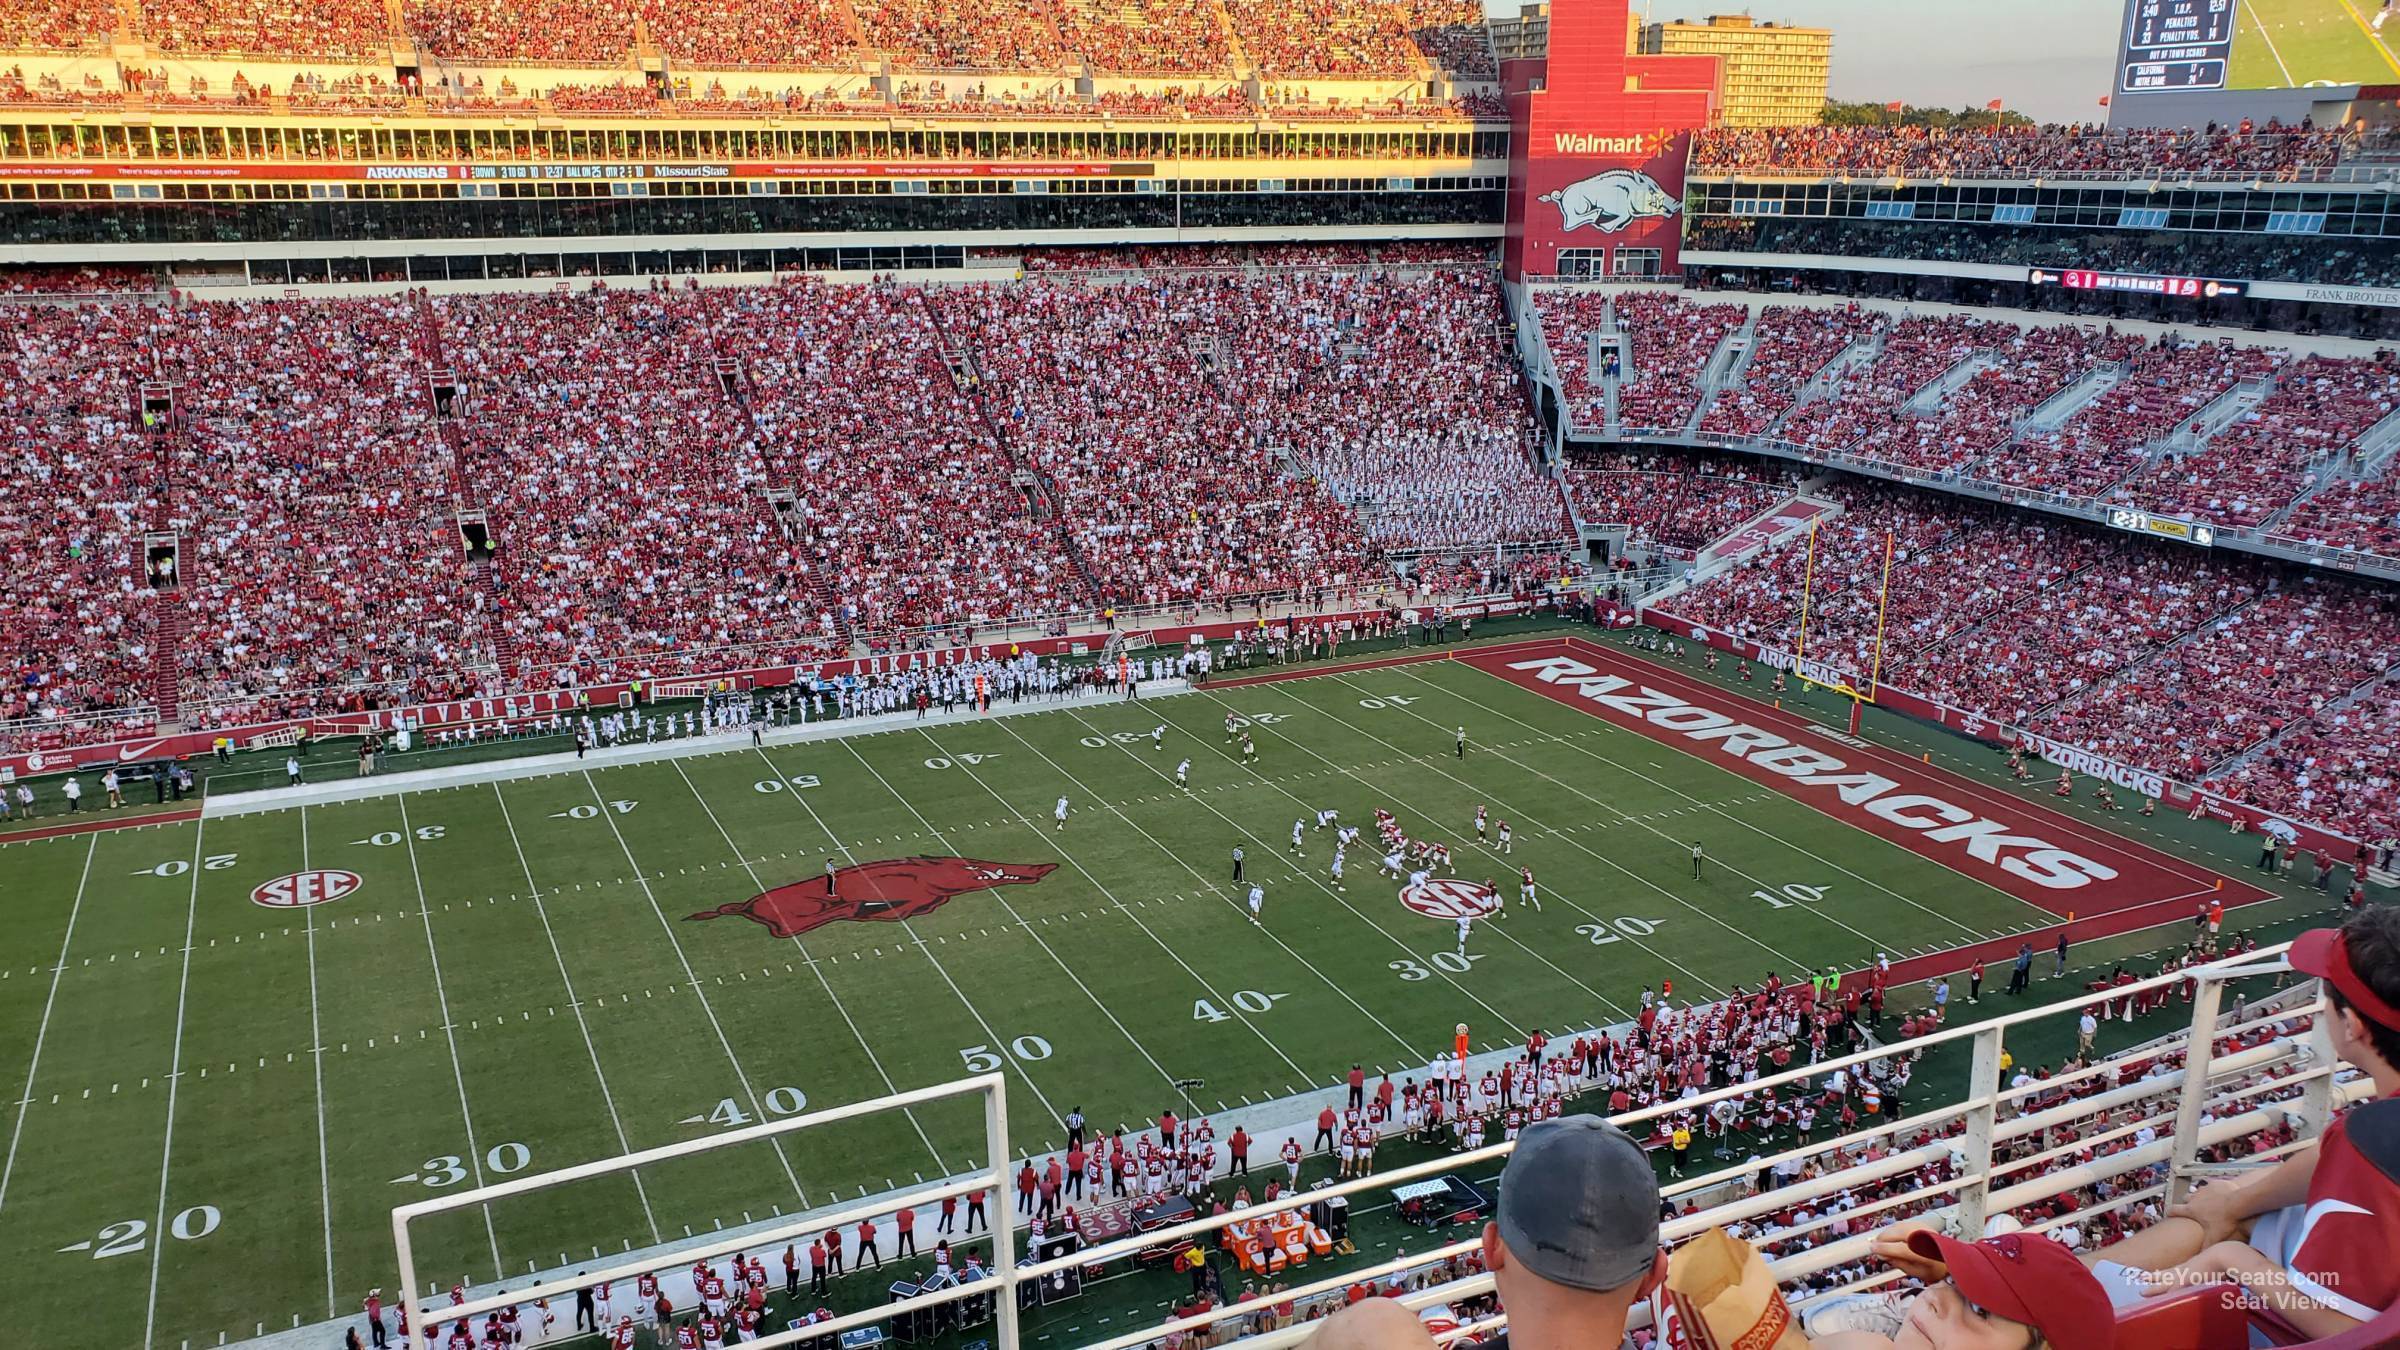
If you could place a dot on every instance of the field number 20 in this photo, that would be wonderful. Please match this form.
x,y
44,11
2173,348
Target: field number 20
x,y
127,1236
1623,928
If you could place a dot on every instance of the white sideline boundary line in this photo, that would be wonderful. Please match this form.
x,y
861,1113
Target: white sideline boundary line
x,y
1009,1061
466,1114
166,1152
560,763
742,856
740,1074
575,1005
316,1059
42,1032
1121,907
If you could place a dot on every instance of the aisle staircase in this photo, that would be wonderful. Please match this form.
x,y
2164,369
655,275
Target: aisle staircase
x,y
165,669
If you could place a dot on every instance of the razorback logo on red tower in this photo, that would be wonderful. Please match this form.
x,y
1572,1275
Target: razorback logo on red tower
x,y
1598,142
892,890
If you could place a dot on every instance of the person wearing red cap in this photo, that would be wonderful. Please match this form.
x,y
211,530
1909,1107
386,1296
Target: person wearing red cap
x,y
2313,1235
2018,1291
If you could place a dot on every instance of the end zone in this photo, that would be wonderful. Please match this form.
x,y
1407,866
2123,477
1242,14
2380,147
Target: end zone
x,y
2049,860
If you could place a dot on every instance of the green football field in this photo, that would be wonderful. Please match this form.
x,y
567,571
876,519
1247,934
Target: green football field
x,y
2284,43
224,1100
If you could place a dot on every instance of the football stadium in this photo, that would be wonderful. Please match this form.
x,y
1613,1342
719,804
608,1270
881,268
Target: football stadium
x,y
1149,674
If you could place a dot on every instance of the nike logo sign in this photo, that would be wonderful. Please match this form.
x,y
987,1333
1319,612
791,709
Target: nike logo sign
x,y
132,752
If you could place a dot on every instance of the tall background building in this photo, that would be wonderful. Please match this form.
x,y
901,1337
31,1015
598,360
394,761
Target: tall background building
x,y
1525,37
1775,74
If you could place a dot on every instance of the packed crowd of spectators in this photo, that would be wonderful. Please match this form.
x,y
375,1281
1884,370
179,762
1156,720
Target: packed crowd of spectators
x,y
2355,513
2018,373
78,485
2141,654
1790,345
1147,37
587,32
963,34
2276,450
629,495
2235,682
1671,343
1401,397
1570,316
1300,39
903,491
2162,389
1871,396
734,34
1452,35
57,25
2341,766
2273,151
83,279
1681,501
336,28
1123,400
320,554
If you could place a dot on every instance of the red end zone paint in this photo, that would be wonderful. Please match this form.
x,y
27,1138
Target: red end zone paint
x,y
2040,856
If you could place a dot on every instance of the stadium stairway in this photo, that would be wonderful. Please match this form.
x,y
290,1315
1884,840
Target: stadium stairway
x,y
166,667
1726,369
1820,386
960,362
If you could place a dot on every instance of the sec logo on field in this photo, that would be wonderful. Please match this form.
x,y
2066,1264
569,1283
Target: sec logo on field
x,y
302,889
1450,900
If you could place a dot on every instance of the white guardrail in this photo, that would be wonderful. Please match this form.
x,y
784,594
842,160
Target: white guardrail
x,y
2291,1077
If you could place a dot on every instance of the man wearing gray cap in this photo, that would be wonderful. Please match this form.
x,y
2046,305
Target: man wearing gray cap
x,y
1575,1246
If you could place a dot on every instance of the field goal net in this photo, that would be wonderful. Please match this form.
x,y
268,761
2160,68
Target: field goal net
x,y
666,689
424,1233
277,739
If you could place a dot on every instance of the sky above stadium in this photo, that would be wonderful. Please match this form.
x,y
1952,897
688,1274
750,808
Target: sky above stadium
x,y
2050,59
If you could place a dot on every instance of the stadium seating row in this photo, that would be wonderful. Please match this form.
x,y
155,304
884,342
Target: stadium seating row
x,y
669,473
2148,657
1283,39
2272,151
2296,460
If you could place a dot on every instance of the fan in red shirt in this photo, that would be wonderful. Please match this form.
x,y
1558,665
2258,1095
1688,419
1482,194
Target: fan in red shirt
x,y
2314,1235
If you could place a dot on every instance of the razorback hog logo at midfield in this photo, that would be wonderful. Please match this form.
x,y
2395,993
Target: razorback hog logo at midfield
x,y
893,889
1611,200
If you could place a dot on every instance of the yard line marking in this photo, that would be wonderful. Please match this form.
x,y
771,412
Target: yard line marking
x,y
757,1110
1512,938
1030,931
441,996
888,1085
1147,931
575,1005
1214,890
316,1037
1704,804
166,1152
911,929
1337,897
42,1031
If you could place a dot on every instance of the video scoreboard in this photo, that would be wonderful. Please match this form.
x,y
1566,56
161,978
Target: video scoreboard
x,y
2176,44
